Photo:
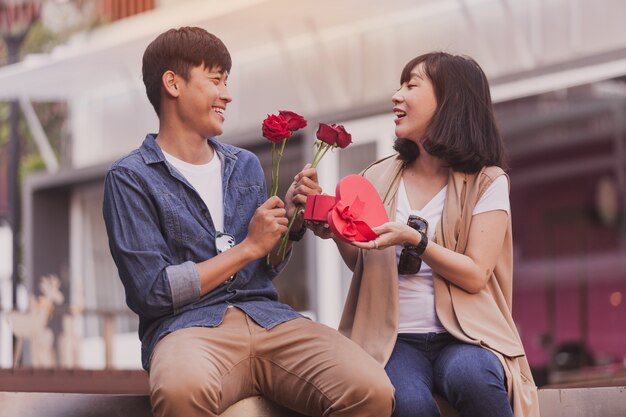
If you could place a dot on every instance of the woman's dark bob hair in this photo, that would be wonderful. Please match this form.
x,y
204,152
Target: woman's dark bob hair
x,y
463,130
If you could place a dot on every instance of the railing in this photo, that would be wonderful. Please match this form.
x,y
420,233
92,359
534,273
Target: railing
x,y
66,340
119,9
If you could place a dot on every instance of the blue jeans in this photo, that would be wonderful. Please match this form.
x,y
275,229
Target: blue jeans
x,y
471,378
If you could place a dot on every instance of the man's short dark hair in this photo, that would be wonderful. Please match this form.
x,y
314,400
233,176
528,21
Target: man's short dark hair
x,y
180,50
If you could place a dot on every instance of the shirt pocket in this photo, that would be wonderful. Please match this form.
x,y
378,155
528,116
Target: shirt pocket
x,y
179,222
248,198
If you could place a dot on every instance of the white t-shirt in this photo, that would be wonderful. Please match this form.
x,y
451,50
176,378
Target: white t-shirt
x,y
417,297
206,179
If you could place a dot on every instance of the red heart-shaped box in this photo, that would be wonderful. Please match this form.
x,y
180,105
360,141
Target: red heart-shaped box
x,y
358,209
353,213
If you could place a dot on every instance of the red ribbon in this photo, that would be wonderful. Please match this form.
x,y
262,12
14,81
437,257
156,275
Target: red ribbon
x,y
350,214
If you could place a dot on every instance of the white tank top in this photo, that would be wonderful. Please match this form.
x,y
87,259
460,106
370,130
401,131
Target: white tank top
x,y
417,297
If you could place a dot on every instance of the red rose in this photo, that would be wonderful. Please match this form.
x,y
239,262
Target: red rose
x,y
275,128
334,135
327,134
294,120
343,137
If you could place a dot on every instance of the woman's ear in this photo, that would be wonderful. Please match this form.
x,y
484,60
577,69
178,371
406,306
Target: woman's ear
x,y
170,83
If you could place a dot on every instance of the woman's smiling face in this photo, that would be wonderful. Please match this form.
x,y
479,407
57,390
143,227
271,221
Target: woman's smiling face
x,y
414,105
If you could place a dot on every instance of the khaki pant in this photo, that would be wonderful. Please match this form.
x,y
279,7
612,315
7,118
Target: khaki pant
x,y
300,364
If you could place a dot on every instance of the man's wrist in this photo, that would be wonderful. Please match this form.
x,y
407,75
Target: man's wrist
x,y
298,234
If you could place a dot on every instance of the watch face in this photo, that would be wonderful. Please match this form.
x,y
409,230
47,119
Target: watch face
x,y
417,223
223,242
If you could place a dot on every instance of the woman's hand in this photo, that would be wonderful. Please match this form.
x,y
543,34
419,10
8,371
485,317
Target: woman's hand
x,y
391,234
320,229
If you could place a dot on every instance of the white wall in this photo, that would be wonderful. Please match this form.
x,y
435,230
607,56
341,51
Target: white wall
x,y
6,302
108,123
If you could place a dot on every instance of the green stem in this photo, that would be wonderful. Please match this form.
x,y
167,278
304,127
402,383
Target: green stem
x,y
283,244
320,146
280,156
321,156
272,188
275,170
273,176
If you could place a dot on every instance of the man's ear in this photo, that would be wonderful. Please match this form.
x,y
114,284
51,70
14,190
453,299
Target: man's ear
x,y
170,83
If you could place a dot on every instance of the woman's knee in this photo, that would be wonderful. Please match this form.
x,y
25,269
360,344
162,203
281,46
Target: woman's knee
x,y
473,379
415,403
468,366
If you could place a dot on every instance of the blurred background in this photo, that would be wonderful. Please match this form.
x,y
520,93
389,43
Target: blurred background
x,y
72,101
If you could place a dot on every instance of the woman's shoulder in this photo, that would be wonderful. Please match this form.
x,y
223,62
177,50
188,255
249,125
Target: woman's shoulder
x,y
484,178
486,175
492,172
377,168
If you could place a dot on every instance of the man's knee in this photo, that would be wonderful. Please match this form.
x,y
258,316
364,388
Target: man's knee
x,y
372,393
177,393
383,397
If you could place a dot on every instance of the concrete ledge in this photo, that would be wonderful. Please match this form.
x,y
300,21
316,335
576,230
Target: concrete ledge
x,y
568,402
74,381
119,393
583,402
37,404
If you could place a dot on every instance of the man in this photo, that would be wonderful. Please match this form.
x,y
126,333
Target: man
x,y
189,229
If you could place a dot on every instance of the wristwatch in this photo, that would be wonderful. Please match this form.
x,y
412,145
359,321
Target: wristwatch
x,y
419,249
296,236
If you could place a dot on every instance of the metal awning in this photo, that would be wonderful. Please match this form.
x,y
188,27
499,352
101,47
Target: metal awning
x,y
252,29
112,54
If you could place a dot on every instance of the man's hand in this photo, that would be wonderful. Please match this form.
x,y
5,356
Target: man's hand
x,y
266,227
304,184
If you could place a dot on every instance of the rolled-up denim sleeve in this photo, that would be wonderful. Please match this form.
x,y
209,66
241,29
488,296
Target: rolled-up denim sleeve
x,y
155,285
184,282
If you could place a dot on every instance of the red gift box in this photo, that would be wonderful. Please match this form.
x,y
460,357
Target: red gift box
x,y
353,213
318,206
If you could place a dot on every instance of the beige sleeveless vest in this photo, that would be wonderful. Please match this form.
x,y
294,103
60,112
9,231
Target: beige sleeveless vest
x,y
370,315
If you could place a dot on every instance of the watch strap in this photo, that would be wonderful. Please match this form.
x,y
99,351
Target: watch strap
x,y
297,235
420,247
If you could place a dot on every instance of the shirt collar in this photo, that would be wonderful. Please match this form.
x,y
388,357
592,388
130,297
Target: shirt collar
x,y
152,153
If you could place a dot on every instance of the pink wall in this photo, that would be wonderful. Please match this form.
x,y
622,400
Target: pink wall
x,y
560,242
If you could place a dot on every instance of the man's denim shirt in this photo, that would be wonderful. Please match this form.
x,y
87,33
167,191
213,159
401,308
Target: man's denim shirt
x,y
159,227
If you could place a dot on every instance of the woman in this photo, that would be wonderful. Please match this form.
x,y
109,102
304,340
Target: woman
x,y
431,299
